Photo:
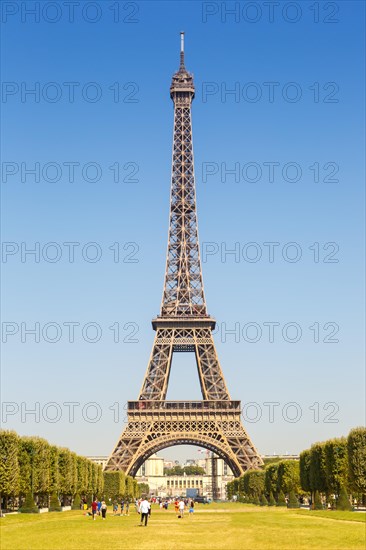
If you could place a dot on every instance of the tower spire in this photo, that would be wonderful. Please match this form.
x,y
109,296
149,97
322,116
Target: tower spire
x,y
182,50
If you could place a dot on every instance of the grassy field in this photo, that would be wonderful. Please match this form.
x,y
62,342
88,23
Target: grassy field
x,y
226,526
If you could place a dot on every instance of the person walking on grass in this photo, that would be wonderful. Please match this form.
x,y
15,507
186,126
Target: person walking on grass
x,y
103,509
181,508
191,508
127,508
94,508
144,511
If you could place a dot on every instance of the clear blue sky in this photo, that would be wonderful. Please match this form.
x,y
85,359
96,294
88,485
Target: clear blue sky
x,y
318,60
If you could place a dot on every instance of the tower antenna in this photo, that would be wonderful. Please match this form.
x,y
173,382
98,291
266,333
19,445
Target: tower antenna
x,y
182,50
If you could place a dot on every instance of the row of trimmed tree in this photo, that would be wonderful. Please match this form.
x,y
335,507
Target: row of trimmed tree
x,y
330,472
35,474
336,468
118,486
268,486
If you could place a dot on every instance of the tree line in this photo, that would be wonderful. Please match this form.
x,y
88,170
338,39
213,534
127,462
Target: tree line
x,y
335,468
35,474
330,471
191,470
269,485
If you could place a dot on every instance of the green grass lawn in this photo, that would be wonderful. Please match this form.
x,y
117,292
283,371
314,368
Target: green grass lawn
x,y
228,526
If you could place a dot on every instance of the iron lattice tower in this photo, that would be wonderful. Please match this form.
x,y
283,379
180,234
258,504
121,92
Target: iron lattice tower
x,y
183,326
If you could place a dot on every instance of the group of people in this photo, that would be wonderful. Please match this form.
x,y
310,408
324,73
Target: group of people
x,y
98,508
142,507
125,508
180,506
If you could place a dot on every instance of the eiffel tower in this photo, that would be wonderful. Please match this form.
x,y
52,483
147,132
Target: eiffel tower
x,y
183,326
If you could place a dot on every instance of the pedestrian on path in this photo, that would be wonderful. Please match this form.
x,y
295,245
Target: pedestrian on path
x,y
94,508
181,508
144,511
103,509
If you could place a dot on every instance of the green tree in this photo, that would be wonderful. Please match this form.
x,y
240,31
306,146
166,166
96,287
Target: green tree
x,y
74,471
114,485
30,467
28,506
175,471
9,464
90,480
129,491
54,503
236,486
111,485
98,480
271,501
25,467
271,478
336,464
41,469
270,460
288,476
230,490
253,482
241,486
67,482
342,502
356,450
82,475
304,465
193,470
76,502
142,489
54,469
292,500
34,467
263,501
94,480
281,501
317,474
317,504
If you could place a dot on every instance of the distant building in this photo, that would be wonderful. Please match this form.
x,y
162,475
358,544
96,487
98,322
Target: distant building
x,y
281,457
211,484
102,460
152,467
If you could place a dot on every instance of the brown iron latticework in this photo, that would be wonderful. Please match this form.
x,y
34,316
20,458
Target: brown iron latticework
x,y
183,326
